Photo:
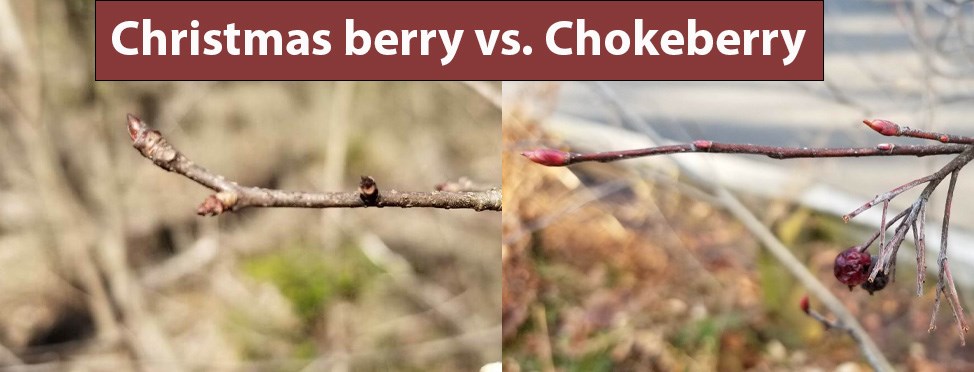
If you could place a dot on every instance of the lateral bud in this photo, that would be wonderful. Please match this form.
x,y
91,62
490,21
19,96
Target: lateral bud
x,y
804,304
703,144
548,157
217,203
368,190
884,127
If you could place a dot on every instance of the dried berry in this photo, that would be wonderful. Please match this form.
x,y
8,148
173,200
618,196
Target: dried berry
x,y
878,283
852,267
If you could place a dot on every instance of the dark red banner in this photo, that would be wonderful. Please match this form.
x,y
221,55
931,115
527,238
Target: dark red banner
x,y
475,40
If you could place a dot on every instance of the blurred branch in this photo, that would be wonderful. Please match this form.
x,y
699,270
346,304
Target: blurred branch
x,y
487,90
203,252
9,360
425,350
232,197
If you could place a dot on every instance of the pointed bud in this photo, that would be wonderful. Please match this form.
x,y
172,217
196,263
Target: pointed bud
x,y
135,126
804,304
884,127
548,157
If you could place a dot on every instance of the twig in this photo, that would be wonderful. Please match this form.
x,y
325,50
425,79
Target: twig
x,y
945,283
462,184
887,196
919,236
551,157
864,246
891,129
826,322
230,196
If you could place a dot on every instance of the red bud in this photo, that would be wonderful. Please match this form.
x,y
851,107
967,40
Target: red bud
x,y
884,127
548,157
703,144
885,146
804,304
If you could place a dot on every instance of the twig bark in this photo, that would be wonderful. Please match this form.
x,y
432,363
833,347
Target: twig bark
x,y
230,196
552,157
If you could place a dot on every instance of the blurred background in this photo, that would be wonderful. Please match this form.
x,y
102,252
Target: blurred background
x,y
634,265
104,264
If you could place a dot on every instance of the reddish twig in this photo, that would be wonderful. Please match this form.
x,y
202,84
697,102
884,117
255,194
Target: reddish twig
x,y
556,158
889,128
230,196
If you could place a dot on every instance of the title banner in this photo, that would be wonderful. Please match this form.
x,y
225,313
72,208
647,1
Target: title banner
x,y
463,40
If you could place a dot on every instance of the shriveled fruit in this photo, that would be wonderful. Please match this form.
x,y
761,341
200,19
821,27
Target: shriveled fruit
x,y
852,267
878,283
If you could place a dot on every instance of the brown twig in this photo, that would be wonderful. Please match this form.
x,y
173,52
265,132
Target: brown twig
x,y
230,196
945,283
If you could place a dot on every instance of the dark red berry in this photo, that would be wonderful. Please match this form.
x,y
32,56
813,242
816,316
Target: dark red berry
x,y
878,283
852,267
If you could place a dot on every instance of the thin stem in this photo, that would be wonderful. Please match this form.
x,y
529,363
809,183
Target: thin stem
x,y
551,157
934,179
889,128
882,231
887,196
887,257
962,327
921,247
947,280
232,197
865,246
